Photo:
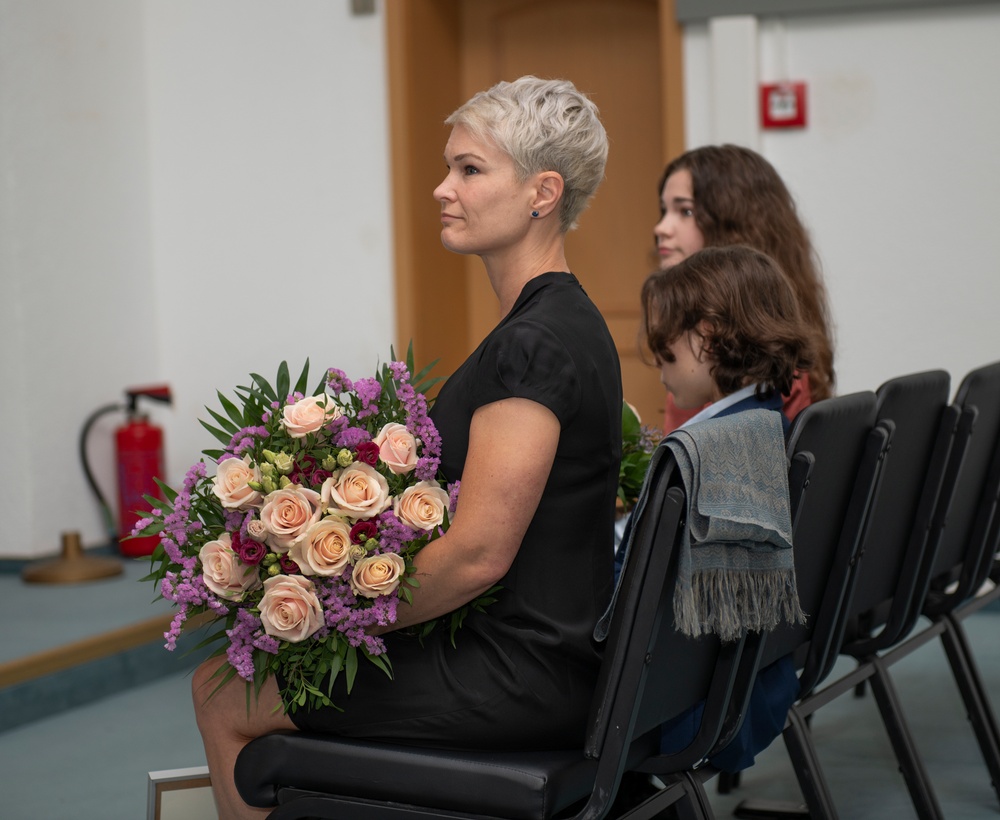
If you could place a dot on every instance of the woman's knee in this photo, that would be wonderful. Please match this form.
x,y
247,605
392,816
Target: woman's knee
x,y
230,708
203,677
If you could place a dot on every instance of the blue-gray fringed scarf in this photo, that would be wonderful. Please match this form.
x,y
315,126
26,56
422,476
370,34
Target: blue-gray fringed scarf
x,y
735,568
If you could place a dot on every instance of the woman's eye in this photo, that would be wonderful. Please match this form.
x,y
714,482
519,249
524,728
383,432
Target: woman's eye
x,y
471,169
687,211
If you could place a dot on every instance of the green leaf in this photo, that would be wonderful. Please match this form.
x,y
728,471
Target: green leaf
x,y
224,423
321,387
351,666
158,504
282,382
155,527
231,410
336,667
265,388
169,493
219,434
382,662
300,384
631,426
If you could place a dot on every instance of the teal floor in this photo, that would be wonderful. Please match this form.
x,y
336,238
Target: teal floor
x,y
90,761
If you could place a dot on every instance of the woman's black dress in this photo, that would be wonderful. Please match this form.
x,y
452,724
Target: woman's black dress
x,y
521,674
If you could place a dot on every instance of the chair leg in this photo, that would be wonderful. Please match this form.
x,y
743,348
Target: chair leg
x,y
910,764
974,696
695,806
805,761
681,798
727,782
818,801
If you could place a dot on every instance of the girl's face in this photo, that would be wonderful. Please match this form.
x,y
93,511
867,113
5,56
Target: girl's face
x,y
677,234
689,376
484,209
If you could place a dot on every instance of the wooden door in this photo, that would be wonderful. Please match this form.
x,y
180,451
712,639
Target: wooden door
x,y
625,54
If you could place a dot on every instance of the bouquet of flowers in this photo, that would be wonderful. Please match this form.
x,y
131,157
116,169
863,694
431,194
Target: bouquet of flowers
x,y
304,537
638,444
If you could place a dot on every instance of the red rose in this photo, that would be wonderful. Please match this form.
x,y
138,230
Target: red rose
x,y
367,452
363,531
249,551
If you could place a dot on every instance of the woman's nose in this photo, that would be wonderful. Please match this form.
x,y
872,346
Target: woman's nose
x,y
443,191
663,227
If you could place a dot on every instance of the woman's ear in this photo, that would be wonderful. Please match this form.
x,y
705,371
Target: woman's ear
x,y
549,187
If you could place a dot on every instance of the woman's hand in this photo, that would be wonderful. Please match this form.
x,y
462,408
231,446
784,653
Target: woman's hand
x,y
512,444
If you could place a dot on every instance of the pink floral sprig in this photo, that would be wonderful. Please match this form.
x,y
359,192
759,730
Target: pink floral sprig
x,y
337,382
242,441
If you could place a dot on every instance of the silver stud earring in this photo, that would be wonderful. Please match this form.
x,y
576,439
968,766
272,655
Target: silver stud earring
x,y
534,214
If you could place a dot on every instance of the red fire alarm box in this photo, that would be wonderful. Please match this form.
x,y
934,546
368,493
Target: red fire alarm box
x,y
783,105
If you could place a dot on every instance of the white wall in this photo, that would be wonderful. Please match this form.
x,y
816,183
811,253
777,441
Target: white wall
x,y
270,197
74,250
191,191
896,175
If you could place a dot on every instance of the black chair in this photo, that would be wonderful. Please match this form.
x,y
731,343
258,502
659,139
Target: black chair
x,y
963,532
898,546
845,446
949,524
968,557
638,689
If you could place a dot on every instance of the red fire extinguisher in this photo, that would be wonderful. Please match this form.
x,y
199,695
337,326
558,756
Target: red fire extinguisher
x,y
139,457
139,453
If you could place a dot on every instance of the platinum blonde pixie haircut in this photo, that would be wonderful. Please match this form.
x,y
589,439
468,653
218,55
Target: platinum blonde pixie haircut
x,y
543,125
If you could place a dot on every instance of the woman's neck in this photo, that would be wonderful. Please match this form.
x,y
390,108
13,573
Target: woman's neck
x,y
509,273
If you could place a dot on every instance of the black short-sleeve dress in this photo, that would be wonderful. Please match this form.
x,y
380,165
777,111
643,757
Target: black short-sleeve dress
x,y
521,674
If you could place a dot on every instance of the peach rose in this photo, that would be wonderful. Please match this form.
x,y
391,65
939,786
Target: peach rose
x,y
287,514
358,491
223,571
397,448
422,506
324,549
289,608
309,414
377,575
231,483
257,531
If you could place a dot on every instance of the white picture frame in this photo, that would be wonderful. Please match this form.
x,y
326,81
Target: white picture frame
x,y
181,794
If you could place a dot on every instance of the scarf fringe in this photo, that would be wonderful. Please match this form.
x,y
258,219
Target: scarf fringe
x,y
726,602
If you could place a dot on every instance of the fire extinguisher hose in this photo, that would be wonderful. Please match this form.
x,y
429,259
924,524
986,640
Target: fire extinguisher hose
x,y
109,518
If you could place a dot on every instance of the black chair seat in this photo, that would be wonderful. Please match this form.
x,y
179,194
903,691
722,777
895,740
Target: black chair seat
x,y
522,785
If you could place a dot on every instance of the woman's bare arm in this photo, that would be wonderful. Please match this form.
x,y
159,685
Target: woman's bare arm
x,y
512,444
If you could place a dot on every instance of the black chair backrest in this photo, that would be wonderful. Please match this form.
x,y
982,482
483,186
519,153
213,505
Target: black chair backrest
x,y
969,535
841,440
651,672
896,538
